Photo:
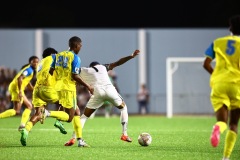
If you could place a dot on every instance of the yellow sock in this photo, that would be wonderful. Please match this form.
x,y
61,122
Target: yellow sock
x,y
230,141
8,113
25,115
222,125
60,115
77,126
29,126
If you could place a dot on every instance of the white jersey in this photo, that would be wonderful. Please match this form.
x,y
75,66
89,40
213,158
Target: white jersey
x,y
104,90
97,75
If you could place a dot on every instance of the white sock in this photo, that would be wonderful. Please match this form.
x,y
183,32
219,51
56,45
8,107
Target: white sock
x,y
47,113
83,119
22,125
124,119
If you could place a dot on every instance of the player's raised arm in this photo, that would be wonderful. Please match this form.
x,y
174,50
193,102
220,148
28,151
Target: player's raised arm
x,y
123,60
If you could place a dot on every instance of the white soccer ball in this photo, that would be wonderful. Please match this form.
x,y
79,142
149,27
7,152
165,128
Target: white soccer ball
x,y
144,139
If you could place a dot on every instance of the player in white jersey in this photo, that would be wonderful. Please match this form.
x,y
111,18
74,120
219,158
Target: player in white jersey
x,y
97,76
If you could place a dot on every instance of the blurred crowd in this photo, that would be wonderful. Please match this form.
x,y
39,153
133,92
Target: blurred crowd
x,y
6,76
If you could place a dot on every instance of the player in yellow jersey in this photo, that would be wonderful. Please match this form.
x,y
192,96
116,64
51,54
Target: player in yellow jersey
x,y
44,92
16,89
225,85
66,67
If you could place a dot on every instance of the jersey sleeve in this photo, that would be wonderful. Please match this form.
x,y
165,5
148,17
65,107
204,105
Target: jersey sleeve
x,y
107,66
53,61
28,71
76,65
210,52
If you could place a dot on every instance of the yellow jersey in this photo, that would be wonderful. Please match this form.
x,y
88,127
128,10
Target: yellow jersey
x,y
43,76
226,51
27,72
66,63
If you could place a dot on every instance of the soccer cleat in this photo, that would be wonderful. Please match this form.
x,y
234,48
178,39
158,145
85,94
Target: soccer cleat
x,y
82,143
44,114
215,136
59,125
24,135
126,138
70,142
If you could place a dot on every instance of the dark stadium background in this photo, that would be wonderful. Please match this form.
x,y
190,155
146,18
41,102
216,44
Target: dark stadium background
x,y
117,14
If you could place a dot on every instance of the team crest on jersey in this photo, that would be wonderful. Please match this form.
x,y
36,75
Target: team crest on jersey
x,y
25,73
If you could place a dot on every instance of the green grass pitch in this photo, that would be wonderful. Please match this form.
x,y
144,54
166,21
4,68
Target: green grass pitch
x,y
178,138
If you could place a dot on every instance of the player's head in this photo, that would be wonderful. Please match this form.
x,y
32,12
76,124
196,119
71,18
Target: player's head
x,y
234,23
30,61
94,63
75,44
49,51
33,61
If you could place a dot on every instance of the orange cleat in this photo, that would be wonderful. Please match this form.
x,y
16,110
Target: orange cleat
x,y
126,138
70,142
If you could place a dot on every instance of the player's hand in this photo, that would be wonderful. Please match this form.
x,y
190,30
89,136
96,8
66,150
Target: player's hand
x,y
135,53
91,89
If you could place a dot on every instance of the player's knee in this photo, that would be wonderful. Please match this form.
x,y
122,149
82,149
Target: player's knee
x,y
88,112
121,106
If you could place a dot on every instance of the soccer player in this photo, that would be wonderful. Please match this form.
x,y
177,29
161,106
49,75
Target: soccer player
x,y
43,93
66,64
225,83
97,76
16,89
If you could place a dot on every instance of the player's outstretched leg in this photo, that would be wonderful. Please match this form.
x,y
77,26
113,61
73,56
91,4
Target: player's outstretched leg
x,y
60,126
124,123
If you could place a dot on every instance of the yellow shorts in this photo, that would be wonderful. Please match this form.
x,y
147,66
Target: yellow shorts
x,y
43,95
68,99
15,97
225,93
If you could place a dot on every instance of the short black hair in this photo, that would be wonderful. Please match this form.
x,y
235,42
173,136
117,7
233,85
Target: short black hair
x,y
73,41
94,63
48,51
234,23
32,58
29,61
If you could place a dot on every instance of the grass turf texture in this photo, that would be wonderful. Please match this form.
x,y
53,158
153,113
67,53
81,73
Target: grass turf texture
x,y
179,138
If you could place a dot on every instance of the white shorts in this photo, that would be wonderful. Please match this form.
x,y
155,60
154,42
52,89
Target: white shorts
x,y
102,94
